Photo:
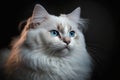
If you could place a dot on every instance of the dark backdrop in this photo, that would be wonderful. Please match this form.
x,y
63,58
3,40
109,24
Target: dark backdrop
x,y
101,36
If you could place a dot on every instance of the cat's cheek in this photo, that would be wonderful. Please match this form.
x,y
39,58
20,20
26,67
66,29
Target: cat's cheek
x,y
45,36
30,36
72,44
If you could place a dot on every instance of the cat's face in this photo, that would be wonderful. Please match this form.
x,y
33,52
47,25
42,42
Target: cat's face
x,y
54,35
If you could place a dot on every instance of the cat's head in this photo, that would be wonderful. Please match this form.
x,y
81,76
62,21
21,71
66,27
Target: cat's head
x,y
55,35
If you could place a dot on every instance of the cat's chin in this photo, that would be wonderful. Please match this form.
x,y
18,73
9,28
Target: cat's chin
x,y
63,52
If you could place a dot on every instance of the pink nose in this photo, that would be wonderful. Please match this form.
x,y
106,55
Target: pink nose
x,y
66,40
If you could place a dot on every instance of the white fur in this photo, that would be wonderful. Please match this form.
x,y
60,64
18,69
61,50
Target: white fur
x,y
40,56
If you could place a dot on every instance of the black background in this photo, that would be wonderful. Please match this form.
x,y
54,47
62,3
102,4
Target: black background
x,y
102,35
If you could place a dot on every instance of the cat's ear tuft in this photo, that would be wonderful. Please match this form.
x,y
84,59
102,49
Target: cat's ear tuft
x,y
39,11
75,14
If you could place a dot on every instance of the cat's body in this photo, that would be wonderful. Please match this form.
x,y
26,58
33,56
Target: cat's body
x,y
50,48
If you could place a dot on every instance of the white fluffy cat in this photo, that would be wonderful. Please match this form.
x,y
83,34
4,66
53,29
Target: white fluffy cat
x,y
50,48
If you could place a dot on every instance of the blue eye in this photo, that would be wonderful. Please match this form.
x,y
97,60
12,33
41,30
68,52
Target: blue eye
x,y
72,33
54,33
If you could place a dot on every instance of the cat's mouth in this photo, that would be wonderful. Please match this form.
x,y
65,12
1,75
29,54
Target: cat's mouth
x,y
63,51
66,47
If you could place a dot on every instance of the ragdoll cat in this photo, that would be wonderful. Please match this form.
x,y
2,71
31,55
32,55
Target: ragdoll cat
x,y
50,48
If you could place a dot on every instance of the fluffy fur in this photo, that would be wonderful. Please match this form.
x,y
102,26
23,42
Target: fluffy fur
x,y
37,55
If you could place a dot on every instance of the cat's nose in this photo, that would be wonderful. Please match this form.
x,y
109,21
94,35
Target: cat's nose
x,y
66,40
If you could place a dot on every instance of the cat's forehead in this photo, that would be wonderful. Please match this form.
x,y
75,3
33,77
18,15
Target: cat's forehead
x,y
62,22
61,27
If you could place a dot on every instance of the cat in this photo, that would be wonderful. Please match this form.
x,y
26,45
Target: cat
x,y
50,48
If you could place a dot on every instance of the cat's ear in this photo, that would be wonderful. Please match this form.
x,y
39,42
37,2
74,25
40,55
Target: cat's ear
x,y
75,14
39,12
38,16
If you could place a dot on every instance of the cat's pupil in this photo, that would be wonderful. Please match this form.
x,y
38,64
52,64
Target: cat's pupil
x,y
54,33
72,33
